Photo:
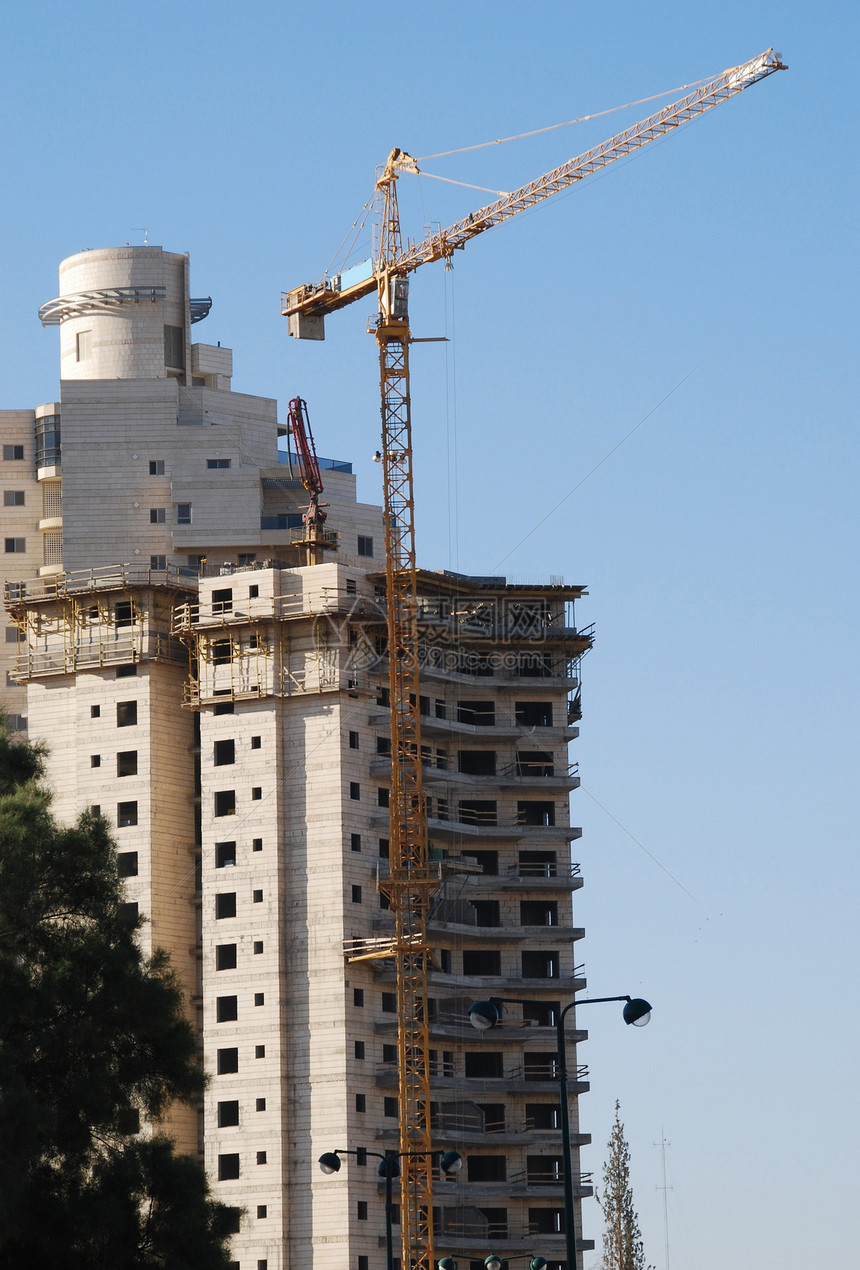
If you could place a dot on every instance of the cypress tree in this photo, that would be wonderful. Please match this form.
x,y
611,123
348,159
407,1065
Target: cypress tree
x,y
622,1239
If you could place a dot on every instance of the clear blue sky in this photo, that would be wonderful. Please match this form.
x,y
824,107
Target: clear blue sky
x,y
718,542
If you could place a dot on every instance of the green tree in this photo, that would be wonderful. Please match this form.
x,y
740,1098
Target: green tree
x,y
622,1239
93,1041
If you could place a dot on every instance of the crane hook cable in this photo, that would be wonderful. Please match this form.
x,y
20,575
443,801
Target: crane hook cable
x,y
615,447
535,132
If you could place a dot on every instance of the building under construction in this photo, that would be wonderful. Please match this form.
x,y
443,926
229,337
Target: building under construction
x,y
208,663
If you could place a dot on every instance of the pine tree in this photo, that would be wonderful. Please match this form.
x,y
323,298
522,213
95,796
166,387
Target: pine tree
x,y
622,1239
93,1041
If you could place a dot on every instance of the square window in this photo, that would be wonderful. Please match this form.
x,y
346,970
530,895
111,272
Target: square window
x,y
389,1107
358,996
226,1009
228,1114
351,586
156,467
95,760
256,792
224,753
225,904
361,1157
158,562
356,895
355,791
126,714
13,452
95,809
355,841
262,1210
389,1003
126,763
256,742
384,848
225,854
258,897
261,1104
361,1102
126,815
123,612
259,998
365,545
15,546
262,1264
222,600
361,1209
183,513
11,634
253,591
127,864
157,515
95,712
227,1061
257,844
259,1051
359,1049
382,797
83,345
13,498
364,1263
216,464
225,802
261,1157
258,946
126,672
225,957
222,652
223,707
353,741
228,1167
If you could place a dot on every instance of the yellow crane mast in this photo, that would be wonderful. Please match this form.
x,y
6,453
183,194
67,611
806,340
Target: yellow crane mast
x,y
410,885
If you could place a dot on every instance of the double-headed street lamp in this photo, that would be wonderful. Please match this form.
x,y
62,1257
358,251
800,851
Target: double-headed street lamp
x,y
450,1162
494,1262
486,1014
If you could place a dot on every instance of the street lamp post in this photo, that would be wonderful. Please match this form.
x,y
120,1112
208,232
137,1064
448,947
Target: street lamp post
x,y
450,1162
486,1014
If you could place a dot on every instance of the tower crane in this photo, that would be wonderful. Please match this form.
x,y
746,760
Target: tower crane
x,y
410,884
314,516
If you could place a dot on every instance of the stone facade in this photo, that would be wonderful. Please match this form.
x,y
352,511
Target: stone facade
x,y
224,703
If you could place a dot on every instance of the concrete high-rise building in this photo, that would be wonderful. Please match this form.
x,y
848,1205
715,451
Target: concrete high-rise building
x,y
225,705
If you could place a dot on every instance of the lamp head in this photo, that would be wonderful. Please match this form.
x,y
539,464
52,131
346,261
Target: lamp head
x,y
450,1162
484,1015
329,1162
446,1263
389,1167
637,1012
537,1263
493,1262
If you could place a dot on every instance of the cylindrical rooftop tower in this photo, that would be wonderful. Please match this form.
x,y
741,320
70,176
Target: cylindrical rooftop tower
x,y
124,313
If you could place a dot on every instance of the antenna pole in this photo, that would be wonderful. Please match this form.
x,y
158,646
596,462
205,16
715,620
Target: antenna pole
x,y
662,1144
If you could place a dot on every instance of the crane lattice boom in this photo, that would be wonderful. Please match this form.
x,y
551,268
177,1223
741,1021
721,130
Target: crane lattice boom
x,y
411,882
329,294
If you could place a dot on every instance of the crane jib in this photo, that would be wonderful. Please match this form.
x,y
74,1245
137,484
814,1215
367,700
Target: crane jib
x,y
307,305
